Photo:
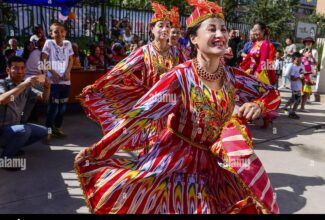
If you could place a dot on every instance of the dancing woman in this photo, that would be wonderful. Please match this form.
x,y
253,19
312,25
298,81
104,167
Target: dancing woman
x,y
203,161
117,91
175,35
259,62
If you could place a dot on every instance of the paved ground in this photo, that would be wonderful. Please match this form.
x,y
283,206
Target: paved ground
x,y
292,151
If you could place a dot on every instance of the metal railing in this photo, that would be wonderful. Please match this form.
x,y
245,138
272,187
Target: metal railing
x,y
20,20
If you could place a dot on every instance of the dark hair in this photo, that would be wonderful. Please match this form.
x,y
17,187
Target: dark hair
x,y
290,38
151,35
2,44
296,55
15,59
9,51
101,19
93,49
193,31
26,52
117,48
264,28
37,29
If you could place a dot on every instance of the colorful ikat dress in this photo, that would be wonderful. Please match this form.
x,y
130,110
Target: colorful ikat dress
x,y
117,91
203,160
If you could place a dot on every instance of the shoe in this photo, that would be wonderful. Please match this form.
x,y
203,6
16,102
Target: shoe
x,y
281,87
294,116
58,132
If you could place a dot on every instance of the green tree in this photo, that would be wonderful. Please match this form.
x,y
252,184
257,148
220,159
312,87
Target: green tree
x,y
229,8
277,14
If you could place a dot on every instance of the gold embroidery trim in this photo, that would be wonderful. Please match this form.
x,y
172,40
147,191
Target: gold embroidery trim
x,y
202,147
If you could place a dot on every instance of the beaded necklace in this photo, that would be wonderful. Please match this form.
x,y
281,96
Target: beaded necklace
x,y
205,75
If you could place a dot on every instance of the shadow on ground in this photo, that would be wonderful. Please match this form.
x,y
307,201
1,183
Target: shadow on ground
x,y
289,190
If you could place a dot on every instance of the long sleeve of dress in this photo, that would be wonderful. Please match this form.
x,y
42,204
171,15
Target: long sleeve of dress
x,y
162,99
249,89
133,63
234,149
115,92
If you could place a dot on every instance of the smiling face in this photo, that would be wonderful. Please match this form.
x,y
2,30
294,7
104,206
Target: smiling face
x,y
211,37
161,30
258,32
288,41
175,34
13,44
58,33
16,72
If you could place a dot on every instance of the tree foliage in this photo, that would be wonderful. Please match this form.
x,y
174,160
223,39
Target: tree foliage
x,y
277,14
229,8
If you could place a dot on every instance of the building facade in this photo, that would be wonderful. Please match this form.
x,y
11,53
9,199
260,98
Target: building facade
x,y
306,7
320,9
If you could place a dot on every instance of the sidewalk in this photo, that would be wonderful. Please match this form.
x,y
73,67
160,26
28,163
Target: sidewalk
x,y
292,151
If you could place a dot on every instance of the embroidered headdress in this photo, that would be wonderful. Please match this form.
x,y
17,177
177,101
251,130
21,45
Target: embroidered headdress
x,y
162,14
204,9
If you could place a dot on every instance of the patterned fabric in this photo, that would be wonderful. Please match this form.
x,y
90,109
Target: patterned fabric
x,y
117,92
186,51
259,62
202,162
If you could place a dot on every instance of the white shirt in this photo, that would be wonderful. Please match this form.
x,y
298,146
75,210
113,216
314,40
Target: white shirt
x,y
128,40
295,71
278,64
58,58
289,50
32,63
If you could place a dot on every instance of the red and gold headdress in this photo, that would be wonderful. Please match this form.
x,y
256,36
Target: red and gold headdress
x,y
162,14
204,9
174,17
